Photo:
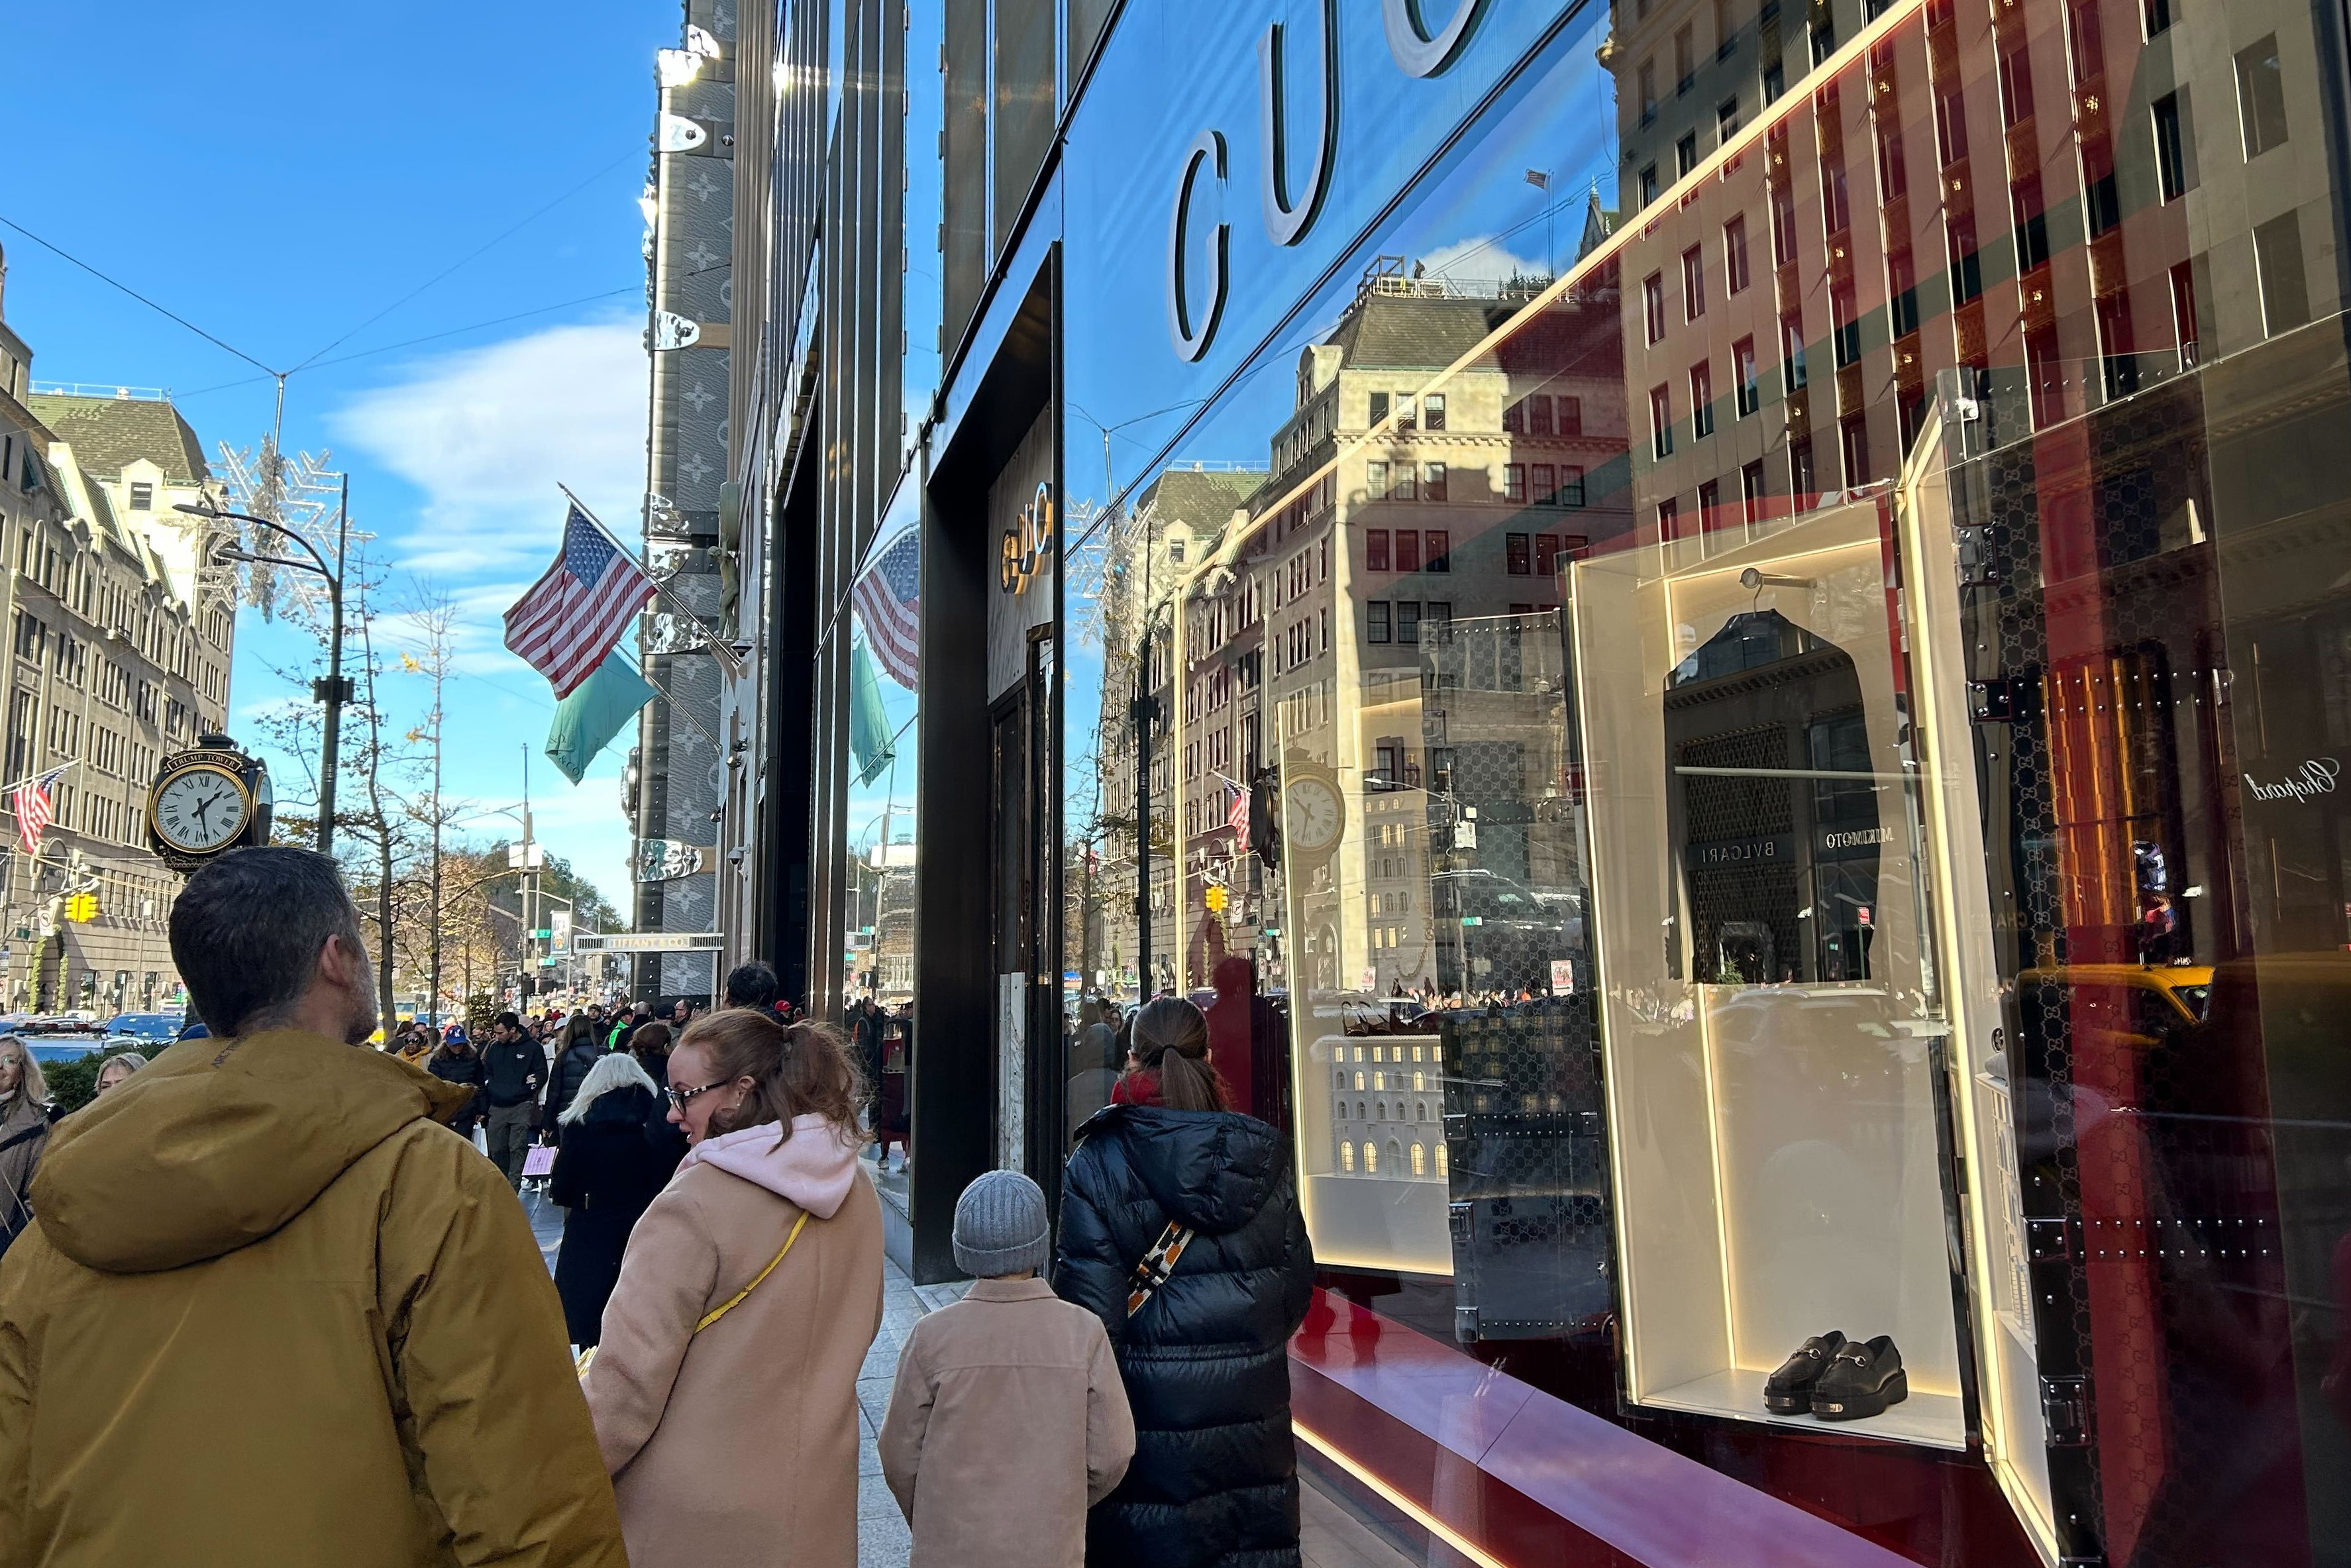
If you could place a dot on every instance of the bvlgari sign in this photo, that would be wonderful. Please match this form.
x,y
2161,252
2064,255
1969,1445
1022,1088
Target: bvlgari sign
x,y
1417,51
2315,776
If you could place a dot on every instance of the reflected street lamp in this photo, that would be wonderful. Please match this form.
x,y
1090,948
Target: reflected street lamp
x,y
335,690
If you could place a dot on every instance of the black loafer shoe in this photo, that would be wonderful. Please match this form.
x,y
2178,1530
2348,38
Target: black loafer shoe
x,y
1789,1391
1863,1379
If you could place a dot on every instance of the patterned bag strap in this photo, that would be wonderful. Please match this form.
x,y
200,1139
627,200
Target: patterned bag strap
x,y
1158,1264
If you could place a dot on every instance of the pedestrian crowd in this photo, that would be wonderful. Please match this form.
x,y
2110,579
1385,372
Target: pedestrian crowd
x,y
274,1278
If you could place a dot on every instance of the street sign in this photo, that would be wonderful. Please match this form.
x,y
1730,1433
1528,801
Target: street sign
x,y
1473,920
647,942
542,935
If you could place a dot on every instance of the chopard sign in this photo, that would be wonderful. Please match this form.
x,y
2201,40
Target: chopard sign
x,y
2315,776
1289,214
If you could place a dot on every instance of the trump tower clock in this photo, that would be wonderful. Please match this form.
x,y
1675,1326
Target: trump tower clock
x,y
207,801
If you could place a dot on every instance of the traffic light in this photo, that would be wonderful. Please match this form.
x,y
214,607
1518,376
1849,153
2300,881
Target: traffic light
x,y
83,906
1216,900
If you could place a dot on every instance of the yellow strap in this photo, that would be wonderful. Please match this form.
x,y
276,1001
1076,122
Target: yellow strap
x,y
730,1303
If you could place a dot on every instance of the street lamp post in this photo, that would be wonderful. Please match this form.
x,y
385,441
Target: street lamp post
x,y
335,690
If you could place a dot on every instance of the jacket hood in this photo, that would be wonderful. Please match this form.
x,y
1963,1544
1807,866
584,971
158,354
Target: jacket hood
x,y
1211,1169
813,1167
216,1144
631,1105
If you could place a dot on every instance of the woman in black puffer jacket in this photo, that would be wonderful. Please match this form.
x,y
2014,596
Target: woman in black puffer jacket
x,y
1206,1358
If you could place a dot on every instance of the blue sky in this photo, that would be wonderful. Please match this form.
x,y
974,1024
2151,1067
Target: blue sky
x,y
279,173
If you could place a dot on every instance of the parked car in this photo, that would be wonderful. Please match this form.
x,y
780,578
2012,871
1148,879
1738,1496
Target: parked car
x,y
149,1031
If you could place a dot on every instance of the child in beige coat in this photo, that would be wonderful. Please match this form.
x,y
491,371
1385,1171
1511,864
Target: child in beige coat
x,y
1007,1420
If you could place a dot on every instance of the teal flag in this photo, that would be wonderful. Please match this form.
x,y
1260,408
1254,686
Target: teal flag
x,y
869,726
586,720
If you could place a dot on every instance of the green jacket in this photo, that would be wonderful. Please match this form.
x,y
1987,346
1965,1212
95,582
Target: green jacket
x,y
272,1312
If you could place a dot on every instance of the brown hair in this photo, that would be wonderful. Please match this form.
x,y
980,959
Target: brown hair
x,y
1171,1039
795,1071
647,1037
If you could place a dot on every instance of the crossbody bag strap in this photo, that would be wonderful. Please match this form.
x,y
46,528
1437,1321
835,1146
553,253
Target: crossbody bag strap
x,y
731,1302
1158,1264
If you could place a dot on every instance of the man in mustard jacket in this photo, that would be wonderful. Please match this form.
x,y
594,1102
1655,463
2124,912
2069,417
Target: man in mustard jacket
x,y
271,1311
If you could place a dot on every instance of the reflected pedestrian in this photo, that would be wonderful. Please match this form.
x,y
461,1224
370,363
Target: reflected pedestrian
x,y
116,1070
753,985
749,1294
1201,1202
25,1116
364,1363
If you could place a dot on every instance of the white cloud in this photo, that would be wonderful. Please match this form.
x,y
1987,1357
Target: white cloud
x,y
1484,258
485,435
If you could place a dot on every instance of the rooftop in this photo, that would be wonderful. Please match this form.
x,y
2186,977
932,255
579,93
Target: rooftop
x,y
112,431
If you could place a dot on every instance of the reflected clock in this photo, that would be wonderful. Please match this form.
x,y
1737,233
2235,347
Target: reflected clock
x,y
1313,810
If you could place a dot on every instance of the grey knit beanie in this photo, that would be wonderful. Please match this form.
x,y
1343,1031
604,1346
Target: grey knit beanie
x,y
1000,1226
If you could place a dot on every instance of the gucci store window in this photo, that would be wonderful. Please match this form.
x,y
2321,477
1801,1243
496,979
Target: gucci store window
x,y
1736,718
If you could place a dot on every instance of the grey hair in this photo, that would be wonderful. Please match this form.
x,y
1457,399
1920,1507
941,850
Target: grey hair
x,y
247,929
613,1070
34,1087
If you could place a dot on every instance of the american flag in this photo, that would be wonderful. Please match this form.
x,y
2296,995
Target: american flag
x,y
1238,817
571,617
889,602
35,808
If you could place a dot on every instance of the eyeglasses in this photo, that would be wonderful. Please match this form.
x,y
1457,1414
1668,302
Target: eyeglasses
x,y
679,1097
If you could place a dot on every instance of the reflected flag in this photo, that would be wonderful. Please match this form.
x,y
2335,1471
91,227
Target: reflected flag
x,y
889,603
571,617
35,807
1238,817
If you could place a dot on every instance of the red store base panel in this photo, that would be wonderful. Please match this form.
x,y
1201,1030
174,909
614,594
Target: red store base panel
x,y
1511,1477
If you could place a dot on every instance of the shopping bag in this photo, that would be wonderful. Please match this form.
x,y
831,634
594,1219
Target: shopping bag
x,y
539,1161
481,1140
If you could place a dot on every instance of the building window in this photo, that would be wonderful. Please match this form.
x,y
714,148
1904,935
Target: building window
x,y
2031,216
1379,407
1701,382
1375,629
1950,126
1726,120
1784,224
1965,259
1405,416
1436,610
2260,96
2086,38
2016,86
1648,183
1669,513
1432,412
1571,487
1404,485
1372,1153
1376,550
2171,145
2158,17
1645,78
1346,1155
1518,558
2043,376
2183,312
1440,1160
1800,474
1420,1159
1685,155
142,495
1835,207
1775,80
1823,43
1750,492
1901,294
1571,416
1440,549
1751,391
1375,481
1684,58
1407,621
1791,349
1514,482
2277,258
1547,564
1539,416
1855,437
2119,363
1892,175
1653,305
1546,484
1432,482
1693,284
1734,255
1407,549
1661,422
2102,207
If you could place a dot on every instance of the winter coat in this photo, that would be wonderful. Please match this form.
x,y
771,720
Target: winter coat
x,y
739,1444
564,1078
606,1172
1006,1423
452,1067
24,1134
273,1312
1206,1360
508,1066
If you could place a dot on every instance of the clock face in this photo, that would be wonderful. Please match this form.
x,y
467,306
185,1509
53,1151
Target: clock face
x,y
1317,815
201,810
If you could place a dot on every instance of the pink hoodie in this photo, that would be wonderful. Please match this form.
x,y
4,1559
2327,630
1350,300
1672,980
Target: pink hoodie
x,y
813,1168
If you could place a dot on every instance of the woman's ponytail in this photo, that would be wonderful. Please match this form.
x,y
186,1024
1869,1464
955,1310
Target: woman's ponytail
x,y
1171,1039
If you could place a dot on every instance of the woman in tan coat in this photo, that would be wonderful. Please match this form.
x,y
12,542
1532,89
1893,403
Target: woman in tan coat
x,y
725,1392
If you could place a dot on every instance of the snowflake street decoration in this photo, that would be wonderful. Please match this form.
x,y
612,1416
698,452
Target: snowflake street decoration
x,y
298,492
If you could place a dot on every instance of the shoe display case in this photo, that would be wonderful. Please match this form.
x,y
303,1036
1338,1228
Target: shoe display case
x,y
1774,1009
